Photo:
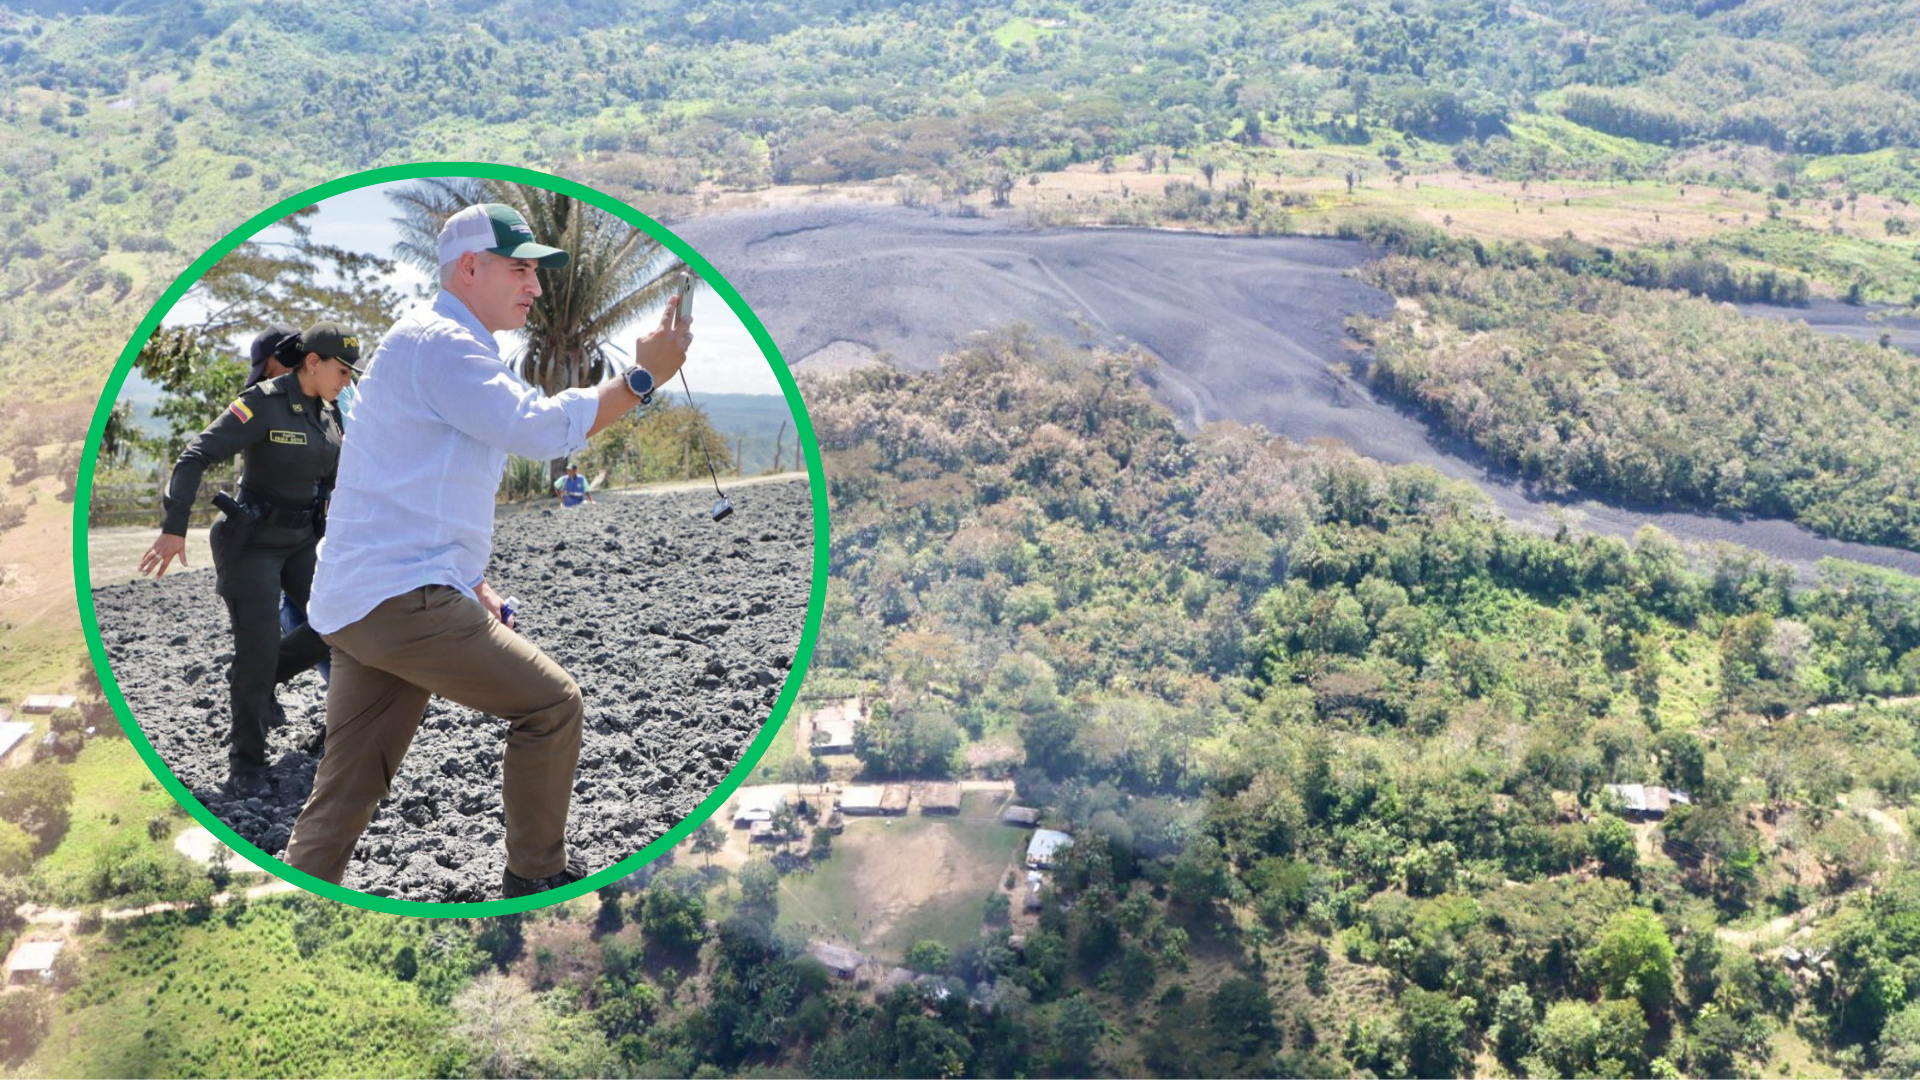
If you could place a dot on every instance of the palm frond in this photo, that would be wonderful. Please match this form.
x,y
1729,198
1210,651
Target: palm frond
x,y
616,271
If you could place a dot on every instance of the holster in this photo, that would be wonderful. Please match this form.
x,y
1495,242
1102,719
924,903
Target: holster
x,y
230,533
268,512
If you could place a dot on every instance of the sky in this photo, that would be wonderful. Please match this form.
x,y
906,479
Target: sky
x,y
723,360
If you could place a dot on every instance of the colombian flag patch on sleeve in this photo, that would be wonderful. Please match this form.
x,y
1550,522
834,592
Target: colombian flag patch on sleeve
x,y
239,409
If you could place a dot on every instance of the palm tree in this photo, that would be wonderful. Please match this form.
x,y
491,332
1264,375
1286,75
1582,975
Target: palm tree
x,y
616,271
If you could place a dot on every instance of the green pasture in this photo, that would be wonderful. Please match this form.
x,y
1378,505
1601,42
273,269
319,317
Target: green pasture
x,y
891,882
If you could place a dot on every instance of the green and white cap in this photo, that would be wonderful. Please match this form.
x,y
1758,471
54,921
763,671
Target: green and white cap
x,y
498,228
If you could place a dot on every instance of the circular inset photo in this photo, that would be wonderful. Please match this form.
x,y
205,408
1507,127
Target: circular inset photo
x,y
456,539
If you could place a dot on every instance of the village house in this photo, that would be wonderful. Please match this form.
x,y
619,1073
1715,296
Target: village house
x,y
13,736
48,703
1646,802
940,798
834,725
1023,816
757,804
1045,847
869,799
32,962
838,959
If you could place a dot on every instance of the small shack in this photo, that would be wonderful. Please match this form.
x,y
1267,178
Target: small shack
x,y
757,804
13,736
941,798
861,800
1045,847
1025,817
869,799
833,726
898,976
32,962
838,959
1647,802
46,703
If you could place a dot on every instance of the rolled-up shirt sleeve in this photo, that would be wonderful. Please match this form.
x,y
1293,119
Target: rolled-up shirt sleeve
x,y
468,387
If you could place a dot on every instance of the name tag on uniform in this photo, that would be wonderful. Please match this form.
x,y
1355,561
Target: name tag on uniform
x,y
291,438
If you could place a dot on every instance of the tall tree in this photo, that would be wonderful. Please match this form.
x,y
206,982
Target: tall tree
x,y
294,279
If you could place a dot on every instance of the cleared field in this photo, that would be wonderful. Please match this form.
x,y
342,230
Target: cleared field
x,y
113,555
38,617
894,881
170,999
114,796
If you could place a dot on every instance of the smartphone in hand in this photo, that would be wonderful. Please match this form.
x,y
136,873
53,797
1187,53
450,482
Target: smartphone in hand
x,y
684,290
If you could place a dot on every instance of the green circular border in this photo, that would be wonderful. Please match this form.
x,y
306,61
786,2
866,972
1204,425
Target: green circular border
x,y
712,277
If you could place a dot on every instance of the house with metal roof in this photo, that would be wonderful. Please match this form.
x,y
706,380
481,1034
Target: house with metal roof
x,y
757,804
834,725
32,962
1647,802
1045,847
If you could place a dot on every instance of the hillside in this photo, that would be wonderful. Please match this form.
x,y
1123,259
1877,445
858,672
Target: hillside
x,y
1334,740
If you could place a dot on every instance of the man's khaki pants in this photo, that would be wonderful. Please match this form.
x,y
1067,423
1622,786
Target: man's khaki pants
x,y
436,640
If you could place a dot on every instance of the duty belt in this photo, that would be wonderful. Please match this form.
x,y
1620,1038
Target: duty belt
x,y
275,515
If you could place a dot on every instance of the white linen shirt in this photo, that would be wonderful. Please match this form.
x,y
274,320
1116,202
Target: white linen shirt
x,y
437,413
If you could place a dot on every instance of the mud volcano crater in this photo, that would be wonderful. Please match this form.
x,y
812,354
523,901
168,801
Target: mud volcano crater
x,y
681,632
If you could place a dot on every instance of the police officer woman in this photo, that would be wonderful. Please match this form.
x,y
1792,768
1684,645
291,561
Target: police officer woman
x,y
287,432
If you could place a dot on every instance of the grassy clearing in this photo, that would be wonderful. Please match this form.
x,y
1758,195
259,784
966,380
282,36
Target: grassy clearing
x,y
39,620
113,798
1888,271
894,881
1018,32
173,999
1690,683
1888,172
1794,1056
1579,142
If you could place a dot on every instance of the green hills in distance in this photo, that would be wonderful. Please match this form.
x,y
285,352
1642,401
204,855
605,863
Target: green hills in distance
x,y
1335,744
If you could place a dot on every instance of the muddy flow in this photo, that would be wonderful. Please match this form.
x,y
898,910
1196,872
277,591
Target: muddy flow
x,y
1247,328
681,632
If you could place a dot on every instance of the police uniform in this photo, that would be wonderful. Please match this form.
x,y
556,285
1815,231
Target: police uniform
x,y
289,445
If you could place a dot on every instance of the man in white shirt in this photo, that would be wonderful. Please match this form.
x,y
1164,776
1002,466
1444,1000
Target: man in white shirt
x,y
400,592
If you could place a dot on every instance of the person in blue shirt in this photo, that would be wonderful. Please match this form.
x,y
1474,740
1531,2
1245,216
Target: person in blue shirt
x,y
401,592
572,489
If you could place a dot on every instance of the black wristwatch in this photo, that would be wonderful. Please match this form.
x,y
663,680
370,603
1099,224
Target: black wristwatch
x,y
640,381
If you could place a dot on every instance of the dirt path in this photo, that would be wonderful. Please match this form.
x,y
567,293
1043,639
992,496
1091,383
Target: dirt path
x,y
67,918
1850,706
1773,928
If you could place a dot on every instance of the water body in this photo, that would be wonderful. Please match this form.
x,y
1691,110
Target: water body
x,y
1247,329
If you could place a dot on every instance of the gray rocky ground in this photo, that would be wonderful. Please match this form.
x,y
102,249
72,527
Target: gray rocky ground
x,y
680,631
1247,328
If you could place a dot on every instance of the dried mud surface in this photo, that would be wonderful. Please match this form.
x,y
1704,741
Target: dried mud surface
x,y
680,631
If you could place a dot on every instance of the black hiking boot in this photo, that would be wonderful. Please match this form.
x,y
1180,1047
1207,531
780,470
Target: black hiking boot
x,y
247,783
513,885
